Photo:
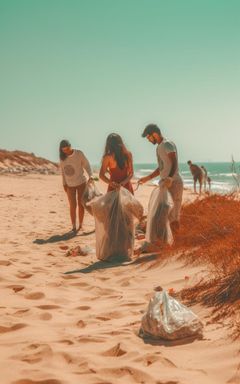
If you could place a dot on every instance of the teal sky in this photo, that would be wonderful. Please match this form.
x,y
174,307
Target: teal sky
x,y
81,69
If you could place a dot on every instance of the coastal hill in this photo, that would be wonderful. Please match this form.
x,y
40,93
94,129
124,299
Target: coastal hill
x,y
23,162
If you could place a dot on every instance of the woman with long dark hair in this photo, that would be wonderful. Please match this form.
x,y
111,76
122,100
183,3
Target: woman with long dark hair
x,y
117,162
73,163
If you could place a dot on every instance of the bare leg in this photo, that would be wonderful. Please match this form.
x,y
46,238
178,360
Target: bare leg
x,y
194,186
80,190
71,193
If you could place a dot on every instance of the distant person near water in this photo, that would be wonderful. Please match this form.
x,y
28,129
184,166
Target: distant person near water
x,y
168,170
198,176
206,179
73,163
117,162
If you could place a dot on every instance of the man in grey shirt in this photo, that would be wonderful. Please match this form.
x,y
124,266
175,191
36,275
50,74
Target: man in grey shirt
x,y
168,170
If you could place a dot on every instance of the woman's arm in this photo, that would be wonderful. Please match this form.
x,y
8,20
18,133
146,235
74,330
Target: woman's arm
x,y
86,165
63,179
104,169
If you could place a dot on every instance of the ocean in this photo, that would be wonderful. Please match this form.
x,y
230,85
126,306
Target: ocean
x,y
220,173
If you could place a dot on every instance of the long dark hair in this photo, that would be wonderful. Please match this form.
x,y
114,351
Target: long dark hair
x,y
63,143
115,146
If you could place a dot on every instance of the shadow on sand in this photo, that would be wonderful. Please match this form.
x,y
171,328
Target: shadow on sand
x,y
64,237
113,264
169,343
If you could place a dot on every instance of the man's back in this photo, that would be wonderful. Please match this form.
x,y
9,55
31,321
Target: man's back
x,y
196,170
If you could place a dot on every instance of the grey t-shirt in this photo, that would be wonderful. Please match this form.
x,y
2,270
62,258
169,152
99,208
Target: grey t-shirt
x,y
164,163
73,169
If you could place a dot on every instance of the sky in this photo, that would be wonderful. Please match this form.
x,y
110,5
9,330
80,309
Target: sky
x,y
82,69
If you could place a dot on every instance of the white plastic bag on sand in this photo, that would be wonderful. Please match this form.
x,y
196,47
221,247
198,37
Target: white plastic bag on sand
x,y
114,214
90,193
158,226
166,318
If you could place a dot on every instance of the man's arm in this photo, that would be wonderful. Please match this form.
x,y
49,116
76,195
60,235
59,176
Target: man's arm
x,y
149,177
172,156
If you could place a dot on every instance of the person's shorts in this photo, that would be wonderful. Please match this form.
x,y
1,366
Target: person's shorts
x,y
198,178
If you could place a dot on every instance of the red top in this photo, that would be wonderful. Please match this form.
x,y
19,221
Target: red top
x,y
118,175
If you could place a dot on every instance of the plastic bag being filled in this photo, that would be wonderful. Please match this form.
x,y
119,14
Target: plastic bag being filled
x,y
90,193
115,215
158,226
166,318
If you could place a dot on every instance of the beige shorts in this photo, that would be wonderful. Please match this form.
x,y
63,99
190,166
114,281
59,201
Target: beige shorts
x,y
75,194
176,192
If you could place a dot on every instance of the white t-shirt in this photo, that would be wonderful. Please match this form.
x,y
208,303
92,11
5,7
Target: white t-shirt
x,y
73,169
164,163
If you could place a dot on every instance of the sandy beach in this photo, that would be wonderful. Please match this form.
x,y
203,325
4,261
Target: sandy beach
x,y
82,327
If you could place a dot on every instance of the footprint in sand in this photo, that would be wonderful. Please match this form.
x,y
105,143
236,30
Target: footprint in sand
x,y
133,304
84,307
5,263
136,375
81,324
34,353
45,316
83,368
103,318
114,315
115,351
102,291
91,339
125,284
45,381
21,311
24,275
69,277
82,284
150,359
67,357
48,306
15,287
14,327
103,278
34,296
65,341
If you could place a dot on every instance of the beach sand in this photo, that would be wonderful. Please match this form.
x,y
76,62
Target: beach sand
x,y
82,327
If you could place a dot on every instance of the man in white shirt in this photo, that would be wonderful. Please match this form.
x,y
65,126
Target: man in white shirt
x,y
167,170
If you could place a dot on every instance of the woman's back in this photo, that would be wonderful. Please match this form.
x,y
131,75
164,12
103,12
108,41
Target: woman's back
x,y
118,174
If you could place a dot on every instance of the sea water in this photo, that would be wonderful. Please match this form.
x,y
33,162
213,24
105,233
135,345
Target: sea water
x,y
223,177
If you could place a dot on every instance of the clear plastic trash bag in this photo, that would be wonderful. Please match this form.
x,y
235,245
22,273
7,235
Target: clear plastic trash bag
x,y
90,193
167,318
158,226
115,214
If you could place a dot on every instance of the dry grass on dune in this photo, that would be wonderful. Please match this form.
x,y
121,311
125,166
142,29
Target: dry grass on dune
x,y
212,227
210,232
23,158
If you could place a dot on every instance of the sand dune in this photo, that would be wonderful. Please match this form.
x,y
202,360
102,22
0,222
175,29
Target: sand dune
x,y
24,162
58,327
